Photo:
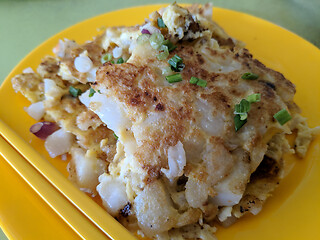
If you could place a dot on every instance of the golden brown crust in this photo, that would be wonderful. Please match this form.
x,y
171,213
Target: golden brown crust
x,y
143,91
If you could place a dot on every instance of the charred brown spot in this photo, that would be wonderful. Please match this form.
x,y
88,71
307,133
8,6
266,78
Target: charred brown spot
x,y
213,77
182,180
268,84
125,211
241,209
268,168
153,173
228,42
235,92
135,100
258,63
194,27
268,92
200,58
246,53
160,107
50,67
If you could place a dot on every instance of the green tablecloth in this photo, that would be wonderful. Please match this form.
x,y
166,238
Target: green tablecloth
x,y
24,24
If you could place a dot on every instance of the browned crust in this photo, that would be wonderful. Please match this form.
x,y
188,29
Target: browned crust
x,y
143,90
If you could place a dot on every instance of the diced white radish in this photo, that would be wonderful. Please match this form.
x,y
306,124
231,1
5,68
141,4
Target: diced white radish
x,y
107,109
154,208
87,169
91,75
230,190
224,213
36,110
58,143
176,161
83,64
196,192
113,193
28,70
117,52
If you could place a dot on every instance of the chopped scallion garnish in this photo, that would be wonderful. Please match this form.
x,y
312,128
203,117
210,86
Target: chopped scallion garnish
x,y
202,83
249,76
174,78
156,40
175,60
176,63
282,116
161,23
112,61
198,81
106,58
164,52
169,44
99,91
241,110
143,38
256,97
238,123
91,92
193,80
120,60
75,92
116,137
243,107
243,116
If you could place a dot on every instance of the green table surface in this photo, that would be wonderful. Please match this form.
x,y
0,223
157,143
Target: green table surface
x,y
24,24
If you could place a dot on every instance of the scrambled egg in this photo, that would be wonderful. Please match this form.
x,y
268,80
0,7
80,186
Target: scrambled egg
x,y
165,157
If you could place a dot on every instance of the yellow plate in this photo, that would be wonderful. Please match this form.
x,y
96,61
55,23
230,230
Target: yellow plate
x,y
292,213
21,209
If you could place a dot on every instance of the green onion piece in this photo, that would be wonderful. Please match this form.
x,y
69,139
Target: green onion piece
x,y
106,58
249,76
99,91
167,71
174,78
193,80
202,83
112,61
256,97
164,53
175,60
75,92
161,23
243,107
120,60
91,92
143,38
156,40
176,63
282,116
243,116
180,67
198,81
169,44
238,123
116,137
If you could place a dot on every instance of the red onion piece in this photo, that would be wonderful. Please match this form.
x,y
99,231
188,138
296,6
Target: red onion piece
x,y
145,31
43,129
